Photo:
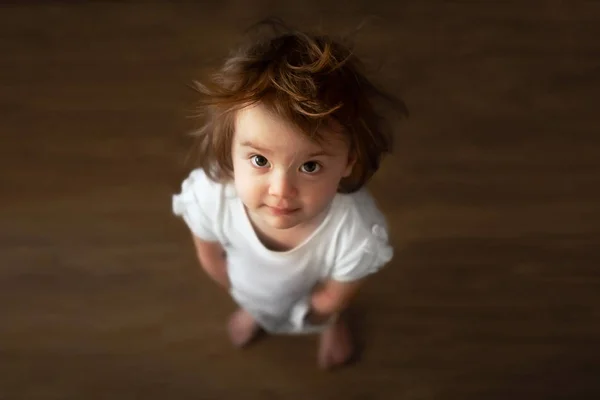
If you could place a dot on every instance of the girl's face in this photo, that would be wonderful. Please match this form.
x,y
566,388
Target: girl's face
x,y
284,180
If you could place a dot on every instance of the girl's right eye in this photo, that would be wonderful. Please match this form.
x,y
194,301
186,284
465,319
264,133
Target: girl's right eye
x,y
259,161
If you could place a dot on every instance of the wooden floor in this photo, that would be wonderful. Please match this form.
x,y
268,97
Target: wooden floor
x,y
492,196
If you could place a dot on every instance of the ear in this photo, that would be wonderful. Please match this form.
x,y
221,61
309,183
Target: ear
x,y
350,165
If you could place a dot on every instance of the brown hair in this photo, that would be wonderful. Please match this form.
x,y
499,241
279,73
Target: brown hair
x,y
311,81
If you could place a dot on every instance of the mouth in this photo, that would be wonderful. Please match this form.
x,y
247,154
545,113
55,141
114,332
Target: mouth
x,y
281,211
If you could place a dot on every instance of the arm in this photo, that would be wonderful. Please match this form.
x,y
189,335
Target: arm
x,y
330,298
212,257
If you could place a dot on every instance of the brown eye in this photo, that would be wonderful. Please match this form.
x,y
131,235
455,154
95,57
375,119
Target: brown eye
x,y
259,161
310,167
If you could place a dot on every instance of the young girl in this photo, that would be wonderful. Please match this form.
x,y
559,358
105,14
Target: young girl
x,y
278,210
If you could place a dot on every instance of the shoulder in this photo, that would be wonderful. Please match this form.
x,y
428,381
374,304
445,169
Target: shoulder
x,y
199,202
199,189
199,180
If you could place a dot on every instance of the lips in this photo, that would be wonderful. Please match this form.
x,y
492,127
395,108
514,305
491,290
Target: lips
x,y
281,211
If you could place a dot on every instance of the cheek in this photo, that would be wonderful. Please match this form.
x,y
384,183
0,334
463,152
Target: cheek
x,y
321,192
246,184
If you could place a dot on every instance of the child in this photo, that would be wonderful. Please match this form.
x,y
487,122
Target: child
x,y
278,210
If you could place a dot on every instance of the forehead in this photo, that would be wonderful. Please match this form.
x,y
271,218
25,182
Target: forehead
x,y
256,124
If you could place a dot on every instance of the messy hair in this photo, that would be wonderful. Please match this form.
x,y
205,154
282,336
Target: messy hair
x,y
311,81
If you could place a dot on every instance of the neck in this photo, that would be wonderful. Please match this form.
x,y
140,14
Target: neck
x,y
285,239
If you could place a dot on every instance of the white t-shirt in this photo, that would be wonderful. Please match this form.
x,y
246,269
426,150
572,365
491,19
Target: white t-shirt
x,y
274,286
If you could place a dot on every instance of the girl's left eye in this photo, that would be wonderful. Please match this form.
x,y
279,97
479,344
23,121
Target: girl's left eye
x,y
310,167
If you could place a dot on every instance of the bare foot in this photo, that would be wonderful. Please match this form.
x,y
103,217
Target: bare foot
x,y
242,328
335,347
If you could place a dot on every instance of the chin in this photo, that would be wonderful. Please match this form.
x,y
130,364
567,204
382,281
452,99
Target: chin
x,y
281,223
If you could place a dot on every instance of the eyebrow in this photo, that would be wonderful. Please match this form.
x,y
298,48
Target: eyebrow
x,y
267,151
255,147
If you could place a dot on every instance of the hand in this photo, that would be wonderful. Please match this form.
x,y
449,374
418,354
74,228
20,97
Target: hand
x,y
331,297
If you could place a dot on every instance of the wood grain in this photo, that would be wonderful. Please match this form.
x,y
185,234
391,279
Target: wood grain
x,y
492,196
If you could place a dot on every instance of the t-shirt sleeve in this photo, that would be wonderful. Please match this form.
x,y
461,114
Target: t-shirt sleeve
x,y
365,259
364,245
196,204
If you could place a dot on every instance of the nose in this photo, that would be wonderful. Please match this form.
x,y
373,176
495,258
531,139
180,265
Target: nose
x,y
282,185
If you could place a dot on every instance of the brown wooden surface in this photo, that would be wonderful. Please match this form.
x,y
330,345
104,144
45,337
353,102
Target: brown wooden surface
x,y
492,196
